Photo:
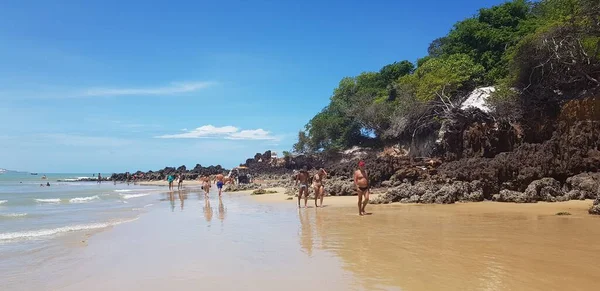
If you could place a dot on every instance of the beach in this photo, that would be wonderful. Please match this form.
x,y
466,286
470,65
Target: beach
x,y
264,242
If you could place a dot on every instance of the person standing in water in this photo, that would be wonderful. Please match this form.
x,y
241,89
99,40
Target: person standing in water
x,y
361,180
99,178
302,177
170,179
219,179
319,186
180,181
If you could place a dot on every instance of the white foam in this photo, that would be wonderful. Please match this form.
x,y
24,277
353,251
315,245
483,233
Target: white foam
x,y
59,230
3,201
51,200
123,190
84,199
129,196
13,214
148,205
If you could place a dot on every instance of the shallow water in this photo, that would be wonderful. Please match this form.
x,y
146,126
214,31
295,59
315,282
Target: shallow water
x,y
189,243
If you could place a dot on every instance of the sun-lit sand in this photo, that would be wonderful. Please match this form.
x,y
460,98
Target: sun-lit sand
x,y
262,242
328,201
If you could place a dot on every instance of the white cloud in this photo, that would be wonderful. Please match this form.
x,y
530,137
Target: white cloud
x,y
173,88
256,134
225,132
46,92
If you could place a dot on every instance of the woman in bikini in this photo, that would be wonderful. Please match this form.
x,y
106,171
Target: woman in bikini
x,y
319,186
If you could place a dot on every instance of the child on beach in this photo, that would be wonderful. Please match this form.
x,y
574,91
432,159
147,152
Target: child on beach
x,y
170,179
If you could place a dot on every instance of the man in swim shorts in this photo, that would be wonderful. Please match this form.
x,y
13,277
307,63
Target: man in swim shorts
x,y
319,186
361,180
219,179
302,177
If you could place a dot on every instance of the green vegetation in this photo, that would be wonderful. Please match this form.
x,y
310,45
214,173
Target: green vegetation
x,y
534,53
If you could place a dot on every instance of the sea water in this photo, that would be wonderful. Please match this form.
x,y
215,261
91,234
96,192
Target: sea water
x,y
34,217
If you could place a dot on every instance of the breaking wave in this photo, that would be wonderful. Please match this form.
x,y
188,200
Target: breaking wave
x,y
129,196
84,199
52,231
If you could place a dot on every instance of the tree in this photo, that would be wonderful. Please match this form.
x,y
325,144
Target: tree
x,y
486,37
443,77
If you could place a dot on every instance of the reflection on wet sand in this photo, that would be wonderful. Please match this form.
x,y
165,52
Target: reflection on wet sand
x,y
208,212
182,197
306,235
447,248
222,210
172,199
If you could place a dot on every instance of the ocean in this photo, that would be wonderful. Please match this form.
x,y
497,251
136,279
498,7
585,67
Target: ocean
x,y
33,218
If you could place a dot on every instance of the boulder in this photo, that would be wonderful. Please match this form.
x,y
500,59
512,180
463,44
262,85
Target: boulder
x,y
546,189
587,185
595,209
512,196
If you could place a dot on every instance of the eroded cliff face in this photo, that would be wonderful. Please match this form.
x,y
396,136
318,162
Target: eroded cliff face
x,y
478,159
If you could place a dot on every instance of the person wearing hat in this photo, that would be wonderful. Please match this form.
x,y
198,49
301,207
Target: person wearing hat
x,y
361,180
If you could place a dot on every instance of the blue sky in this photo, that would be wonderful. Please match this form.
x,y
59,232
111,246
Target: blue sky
x,y
88,86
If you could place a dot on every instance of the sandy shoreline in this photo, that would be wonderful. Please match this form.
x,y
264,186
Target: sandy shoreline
x,y
574,207
252,235
188,183
577,206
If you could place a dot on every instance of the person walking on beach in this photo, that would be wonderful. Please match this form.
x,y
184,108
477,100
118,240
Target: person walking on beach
x,y
219,179
99,178
361,180
319,186
180,181
205,185
170,179
302,178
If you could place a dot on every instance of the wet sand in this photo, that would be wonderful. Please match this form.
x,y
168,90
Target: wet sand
x,y
186,183
253,243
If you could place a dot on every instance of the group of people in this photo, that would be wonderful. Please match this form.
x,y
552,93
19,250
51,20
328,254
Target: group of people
x,y
178,177
205,181
303,178
361,182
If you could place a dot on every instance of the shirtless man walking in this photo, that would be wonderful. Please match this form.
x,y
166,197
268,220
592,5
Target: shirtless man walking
x,y
219,179
302,177
361,180
319,186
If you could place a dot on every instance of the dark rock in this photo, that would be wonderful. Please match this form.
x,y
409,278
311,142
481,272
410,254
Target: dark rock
x,y
595,209
512,196
546,189
586,184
